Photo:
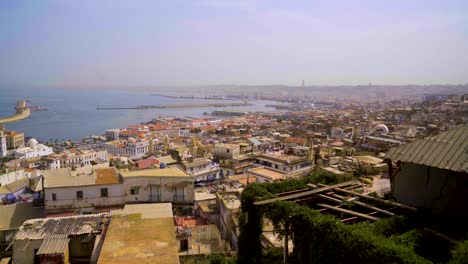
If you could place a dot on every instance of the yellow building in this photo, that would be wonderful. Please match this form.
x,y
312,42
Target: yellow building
x,y
14,139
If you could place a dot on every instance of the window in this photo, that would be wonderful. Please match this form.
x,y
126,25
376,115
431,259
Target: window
x,y
54,197
104,192
178,193
79,195
155,193
134,190
227,150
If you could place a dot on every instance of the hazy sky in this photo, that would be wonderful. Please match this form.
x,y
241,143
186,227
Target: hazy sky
x,y
197,42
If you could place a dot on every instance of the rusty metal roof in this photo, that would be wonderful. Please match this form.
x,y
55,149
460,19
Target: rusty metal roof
x,y
42,228
56,244
448,150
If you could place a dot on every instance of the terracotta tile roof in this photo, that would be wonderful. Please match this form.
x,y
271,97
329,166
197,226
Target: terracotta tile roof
x,y
158,127
178,139
144,164
336,144
207,128
137,127
296,140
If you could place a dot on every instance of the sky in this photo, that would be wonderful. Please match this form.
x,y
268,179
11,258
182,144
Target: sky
x,y
110,43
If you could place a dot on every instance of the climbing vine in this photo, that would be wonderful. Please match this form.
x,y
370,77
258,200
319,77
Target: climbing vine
x,y
319,238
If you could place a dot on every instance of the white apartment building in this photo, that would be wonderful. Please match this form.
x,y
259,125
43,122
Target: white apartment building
x,y
130,148
113,134
13,176
158,185
202,170
184,132
3,144
75,158
85,187
32,150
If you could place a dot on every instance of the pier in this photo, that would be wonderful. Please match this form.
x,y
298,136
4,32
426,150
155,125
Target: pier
x,y
143,107
22,112
196,97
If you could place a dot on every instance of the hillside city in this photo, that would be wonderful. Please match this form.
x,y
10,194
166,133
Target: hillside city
x,y
328,181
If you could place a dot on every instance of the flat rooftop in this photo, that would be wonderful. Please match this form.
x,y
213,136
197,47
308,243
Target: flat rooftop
x,y
167,172
281,157
369,159
141,233
231,200
267,173
227,145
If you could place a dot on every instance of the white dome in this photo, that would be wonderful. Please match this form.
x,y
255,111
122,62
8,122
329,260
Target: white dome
x,y
32,143
382,128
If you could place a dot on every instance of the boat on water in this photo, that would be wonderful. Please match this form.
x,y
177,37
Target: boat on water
x,y
37,108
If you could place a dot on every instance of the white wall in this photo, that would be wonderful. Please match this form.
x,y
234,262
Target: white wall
x,y
10,177
166,186
66,196
23,250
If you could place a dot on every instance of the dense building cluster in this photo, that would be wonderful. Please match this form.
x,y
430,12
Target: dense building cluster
x,y
175,184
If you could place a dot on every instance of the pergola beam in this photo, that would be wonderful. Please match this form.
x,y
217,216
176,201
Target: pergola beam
x,y
377,199
306,193
346,211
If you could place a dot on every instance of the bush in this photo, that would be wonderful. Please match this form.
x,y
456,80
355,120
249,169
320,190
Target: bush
x,y
207,259
319,238
460,253
322,177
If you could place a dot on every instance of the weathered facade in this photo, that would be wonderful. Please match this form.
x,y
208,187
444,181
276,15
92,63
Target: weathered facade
x,y
433,173
66,189
72,239
158,185
229,208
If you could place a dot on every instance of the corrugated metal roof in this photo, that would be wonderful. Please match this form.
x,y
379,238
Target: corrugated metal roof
x,y
56,244
42,228
255,141
12,216
448,150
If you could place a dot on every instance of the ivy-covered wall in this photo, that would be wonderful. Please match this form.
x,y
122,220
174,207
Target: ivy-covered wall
x,y
319,238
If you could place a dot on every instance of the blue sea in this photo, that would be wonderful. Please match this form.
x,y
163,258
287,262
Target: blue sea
x,y
72,113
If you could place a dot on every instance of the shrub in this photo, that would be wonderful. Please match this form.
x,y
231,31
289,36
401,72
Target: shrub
x,y
319,238
460,253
